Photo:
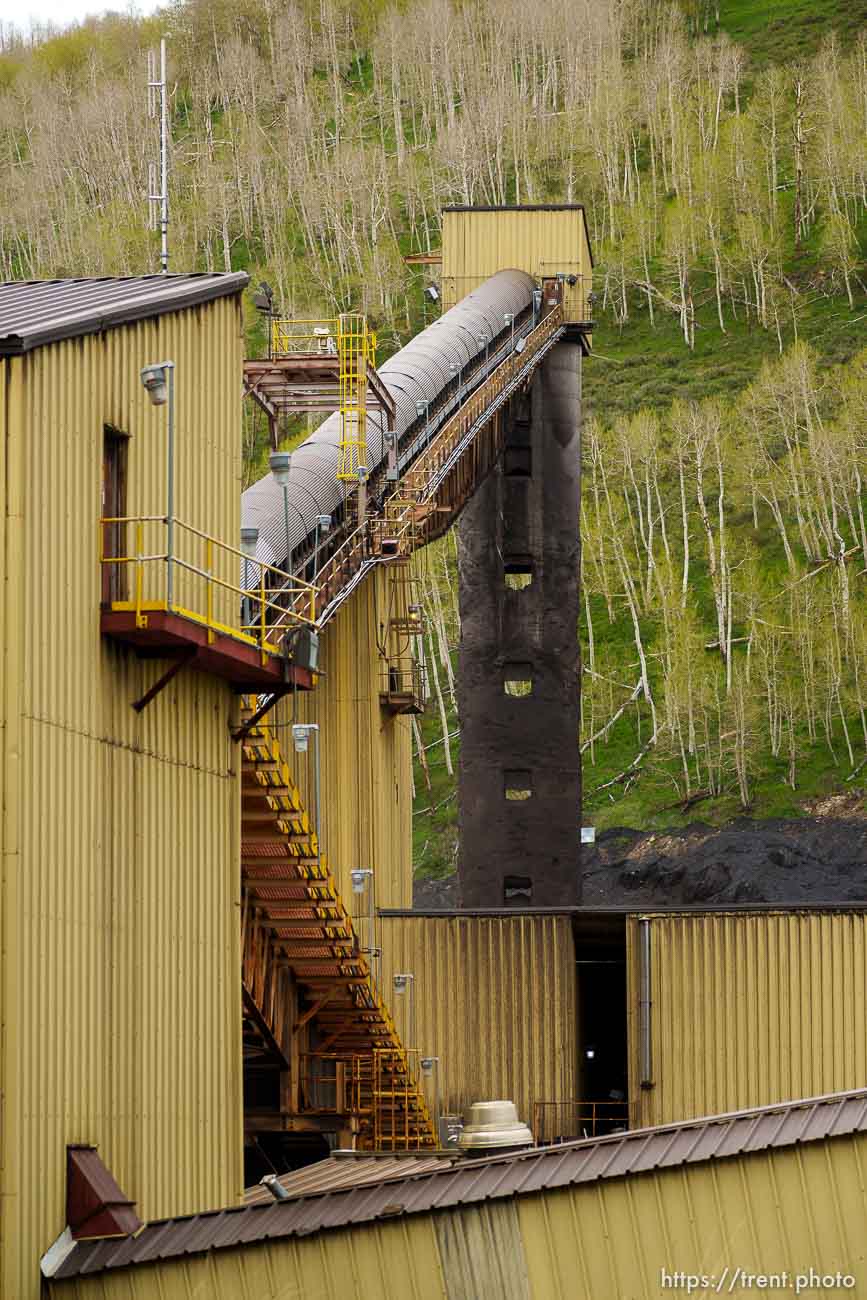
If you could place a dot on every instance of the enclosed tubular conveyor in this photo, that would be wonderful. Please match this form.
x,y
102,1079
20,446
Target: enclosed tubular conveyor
x,y
439,368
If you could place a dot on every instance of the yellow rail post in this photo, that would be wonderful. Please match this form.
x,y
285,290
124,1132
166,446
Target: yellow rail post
x,y
139,573
209,588
263,626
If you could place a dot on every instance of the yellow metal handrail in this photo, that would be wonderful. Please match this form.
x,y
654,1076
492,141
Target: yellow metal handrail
x,y
564,1121
289,335
419,484
257,614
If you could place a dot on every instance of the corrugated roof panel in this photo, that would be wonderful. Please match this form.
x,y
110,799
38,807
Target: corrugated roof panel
x,y
36,312
337,1173
618,1155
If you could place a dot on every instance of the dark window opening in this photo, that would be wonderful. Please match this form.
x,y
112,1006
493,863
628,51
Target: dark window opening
x,y
115,584
518,462
518,680
517,785
517,572
517,891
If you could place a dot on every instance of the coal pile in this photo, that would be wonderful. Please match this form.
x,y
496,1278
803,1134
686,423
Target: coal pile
x,y
821,858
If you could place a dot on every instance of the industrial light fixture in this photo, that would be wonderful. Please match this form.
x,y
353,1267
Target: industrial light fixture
x,y
420,408
590,1053
301,735
275,1187
280,463
428,1064
508,317
264,299
324,522
360,878
404,983
159,384
572,280
155,382
249,542
520,345
432,292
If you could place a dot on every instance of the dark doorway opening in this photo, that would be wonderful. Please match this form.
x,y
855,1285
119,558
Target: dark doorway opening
x,y
115,581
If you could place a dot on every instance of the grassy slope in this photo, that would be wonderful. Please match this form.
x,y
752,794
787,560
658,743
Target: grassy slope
x,y
630,368
638,366
776,31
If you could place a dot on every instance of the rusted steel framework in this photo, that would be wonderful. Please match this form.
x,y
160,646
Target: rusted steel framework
x,y
312,366
311,1007
440,481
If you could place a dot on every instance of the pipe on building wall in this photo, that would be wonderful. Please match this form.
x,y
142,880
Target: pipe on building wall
x,y
644,1005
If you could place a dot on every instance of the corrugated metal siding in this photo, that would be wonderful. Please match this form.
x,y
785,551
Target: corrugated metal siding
x,y
494,1000
788,1209
121,999
365,753
389,1261
749,1010
538,241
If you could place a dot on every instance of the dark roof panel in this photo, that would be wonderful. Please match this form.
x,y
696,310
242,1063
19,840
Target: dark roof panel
x,y
467,1182
36,312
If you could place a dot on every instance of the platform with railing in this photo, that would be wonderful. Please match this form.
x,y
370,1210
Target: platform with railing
x,y
171,590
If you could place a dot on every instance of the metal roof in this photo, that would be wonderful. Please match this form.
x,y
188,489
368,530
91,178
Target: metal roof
x,y
350,1169
717,1137
35,312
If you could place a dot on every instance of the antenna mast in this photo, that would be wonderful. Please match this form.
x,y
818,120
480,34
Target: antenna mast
x,y
159,202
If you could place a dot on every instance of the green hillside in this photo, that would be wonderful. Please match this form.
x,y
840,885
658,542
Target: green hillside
x,y
720,156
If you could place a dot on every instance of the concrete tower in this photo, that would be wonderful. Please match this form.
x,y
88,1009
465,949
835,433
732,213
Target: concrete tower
x,y
519,682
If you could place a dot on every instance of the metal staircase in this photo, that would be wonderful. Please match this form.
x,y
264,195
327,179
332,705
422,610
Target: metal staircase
x,y
341,1053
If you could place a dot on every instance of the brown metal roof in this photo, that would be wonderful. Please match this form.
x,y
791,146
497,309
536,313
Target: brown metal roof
x,y
350,1169
641,1151
35,312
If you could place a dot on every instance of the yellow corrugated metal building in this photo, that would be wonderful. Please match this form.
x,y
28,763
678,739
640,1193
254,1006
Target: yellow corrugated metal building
x,y
549,241
493,998
366,762
768,1200
746,1009
119,987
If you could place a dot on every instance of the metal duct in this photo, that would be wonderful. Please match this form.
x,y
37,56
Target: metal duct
x,y
418,372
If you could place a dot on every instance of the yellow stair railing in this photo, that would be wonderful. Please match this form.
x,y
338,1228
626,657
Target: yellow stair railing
x,y
289,890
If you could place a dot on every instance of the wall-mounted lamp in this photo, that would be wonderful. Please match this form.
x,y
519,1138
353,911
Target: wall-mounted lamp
x,y
249,542
159,383
520,345
360,878
155,383
432,292
301,733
